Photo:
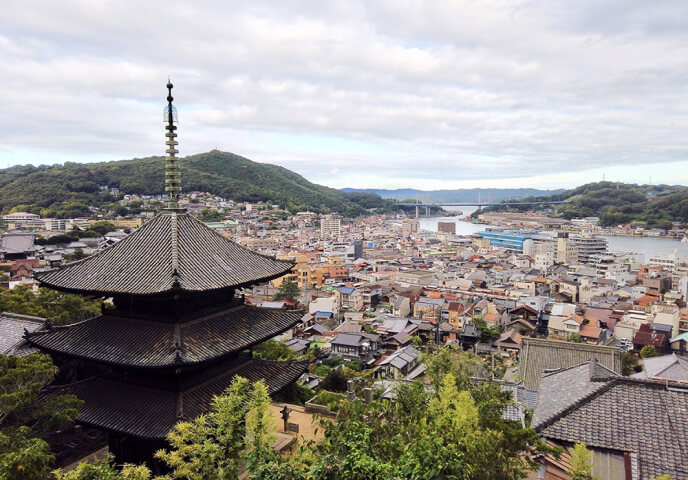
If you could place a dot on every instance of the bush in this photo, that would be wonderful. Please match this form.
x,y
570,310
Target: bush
x,y
329,399
648,351
323,370
335,381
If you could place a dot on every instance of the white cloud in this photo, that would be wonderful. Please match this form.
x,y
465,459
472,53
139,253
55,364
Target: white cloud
x,y
389,93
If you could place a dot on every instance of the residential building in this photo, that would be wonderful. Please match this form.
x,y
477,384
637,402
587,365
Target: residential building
x,y
330,225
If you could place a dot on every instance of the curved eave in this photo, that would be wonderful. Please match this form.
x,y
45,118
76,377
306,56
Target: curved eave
x,y
171,290
156,367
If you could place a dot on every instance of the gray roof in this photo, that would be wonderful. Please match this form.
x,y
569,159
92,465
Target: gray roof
x,y
12,329
172,252
18,242
352,339
538,355
571,384
402,357
644,418
666,367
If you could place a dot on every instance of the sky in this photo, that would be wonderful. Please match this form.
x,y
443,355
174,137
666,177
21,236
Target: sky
x,y
368,94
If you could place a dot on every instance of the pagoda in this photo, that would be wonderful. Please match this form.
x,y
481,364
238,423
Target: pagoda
x,y
178,333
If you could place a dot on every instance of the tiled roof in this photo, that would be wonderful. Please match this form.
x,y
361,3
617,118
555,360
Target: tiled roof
x,y
538,355
148,344
12,329
172,252
150,413
644,418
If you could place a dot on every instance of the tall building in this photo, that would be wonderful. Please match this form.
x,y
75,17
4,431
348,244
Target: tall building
x,y
566,251
176,334
447,227
588,245
330,225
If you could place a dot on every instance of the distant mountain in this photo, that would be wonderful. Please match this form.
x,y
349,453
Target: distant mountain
x,y
69,190
616,203
459,195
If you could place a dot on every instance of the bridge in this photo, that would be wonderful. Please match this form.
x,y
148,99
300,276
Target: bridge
x,y
474,204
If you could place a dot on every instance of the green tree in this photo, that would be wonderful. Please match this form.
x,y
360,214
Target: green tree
x,y
581,469
59,308
104,469
648,351
212,446
26,413
209,215
273,350
102,227
574,337
288,291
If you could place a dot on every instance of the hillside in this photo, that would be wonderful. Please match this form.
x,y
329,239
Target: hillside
x,y
618,203
68,190
458,195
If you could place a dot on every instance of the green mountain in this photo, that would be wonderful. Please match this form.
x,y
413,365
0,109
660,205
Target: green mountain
x,y
68,190
458,195
616,203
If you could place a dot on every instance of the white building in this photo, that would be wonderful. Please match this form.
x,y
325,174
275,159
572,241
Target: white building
x,y
330,225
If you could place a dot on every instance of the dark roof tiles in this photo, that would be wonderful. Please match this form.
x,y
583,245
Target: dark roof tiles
x,y
147,344
150,413
172,252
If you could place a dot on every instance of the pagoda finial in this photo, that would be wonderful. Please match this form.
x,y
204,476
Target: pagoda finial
x,y
172,175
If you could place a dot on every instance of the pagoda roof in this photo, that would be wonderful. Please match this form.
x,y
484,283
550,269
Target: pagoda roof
x,y
150,413
173,252
139,343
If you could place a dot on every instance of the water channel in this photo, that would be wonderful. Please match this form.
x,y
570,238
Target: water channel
x,y
648,246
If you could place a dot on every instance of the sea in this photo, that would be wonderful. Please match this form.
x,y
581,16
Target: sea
x,y
648,246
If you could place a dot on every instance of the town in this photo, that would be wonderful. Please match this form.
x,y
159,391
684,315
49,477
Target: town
x,y
541,300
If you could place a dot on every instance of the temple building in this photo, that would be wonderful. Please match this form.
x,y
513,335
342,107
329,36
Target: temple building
x,y
177,334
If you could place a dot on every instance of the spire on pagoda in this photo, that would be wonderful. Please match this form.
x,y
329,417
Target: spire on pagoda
x,y
172,175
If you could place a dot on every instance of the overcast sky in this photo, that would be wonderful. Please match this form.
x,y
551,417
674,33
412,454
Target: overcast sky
x,y
389,94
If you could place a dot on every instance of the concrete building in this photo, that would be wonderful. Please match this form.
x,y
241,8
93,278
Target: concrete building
x,y
447,227
330,225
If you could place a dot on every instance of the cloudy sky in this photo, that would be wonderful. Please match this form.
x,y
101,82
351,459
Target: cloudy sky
x,y
390,93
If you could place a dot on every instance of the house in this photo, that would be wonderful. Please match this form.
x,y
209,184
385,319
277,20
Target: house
x,y
399,364
428,308
510,341
401,306
666,367
634,428
355,346
538,355
349,298
17,245
298,345
12,329
646,335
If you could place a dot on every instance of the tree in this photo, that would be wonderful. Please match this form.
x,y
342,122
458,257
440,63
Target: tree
x,y
26,413
212,446
104,469
335,380
102,227
288,291
581,469
59,308
574,337
273,350
648,351
209,215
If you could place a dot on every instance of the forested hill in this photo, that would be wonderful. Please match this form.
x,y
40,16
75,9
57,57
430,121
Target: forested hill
x,y
68,190
619,203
